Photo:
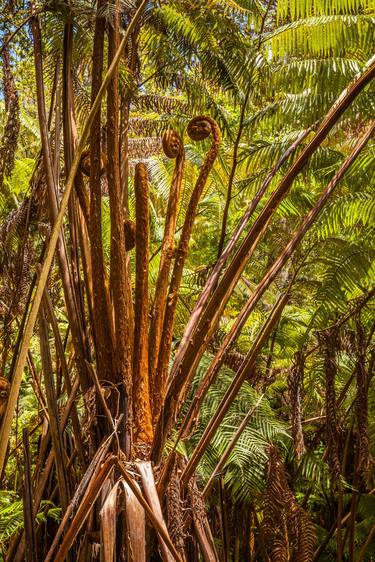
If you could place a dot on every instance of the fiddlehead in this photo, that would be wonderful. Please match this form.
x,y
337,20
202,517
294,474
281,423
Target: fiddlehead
x,y
129,232
199,128
172,144
85,163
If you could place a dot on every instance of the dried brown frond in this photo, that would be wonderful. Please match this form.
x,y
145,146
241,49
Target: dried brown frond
x,y
175,511
306,541
295,381
89,420
234,360
139,149
12,125
202,274
275,515
365,461
143,127
4,393
13,227
329,341
161,104
289,533
16,260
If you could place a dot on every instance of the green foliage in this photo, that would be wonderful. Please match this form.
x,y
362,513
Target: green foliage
x,y
290,60
11,515
245,469
18,184
298,9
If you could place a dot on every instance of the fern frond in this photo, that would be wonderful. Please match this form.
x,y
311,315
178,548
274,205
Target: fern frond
x,y
296,9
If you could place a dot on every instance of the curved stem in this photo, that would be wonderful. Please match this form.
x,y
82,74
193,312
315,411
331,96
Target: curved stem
x,y
200,127
170,140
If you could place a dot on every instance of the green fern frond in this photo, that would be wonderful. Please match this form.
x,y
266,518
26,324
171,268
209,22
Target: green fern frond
x,y
296,9
323,36
355,211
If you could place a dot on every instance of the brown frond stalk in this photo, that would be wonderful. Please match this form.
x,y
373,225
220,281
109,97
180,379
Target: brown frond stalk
x,y
51,247
178,386
230,246
102,322
29,522
55,427
234,387
151,495
173,148
119,276
51,180
141,397
201,525
84,508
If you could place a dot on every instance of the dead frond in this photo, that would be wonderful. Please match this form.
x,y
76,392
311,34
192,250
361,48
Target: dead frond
x,y
295,381
289,533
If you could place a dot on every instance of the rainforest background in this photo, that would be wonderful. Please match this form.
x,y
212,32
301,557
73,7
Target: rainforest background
x,y
187,280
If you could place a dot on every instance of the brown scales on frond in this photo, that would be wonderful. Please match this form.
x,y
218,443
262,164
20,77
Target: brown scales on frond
x,y
144,127
161,104
146,147
141,398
